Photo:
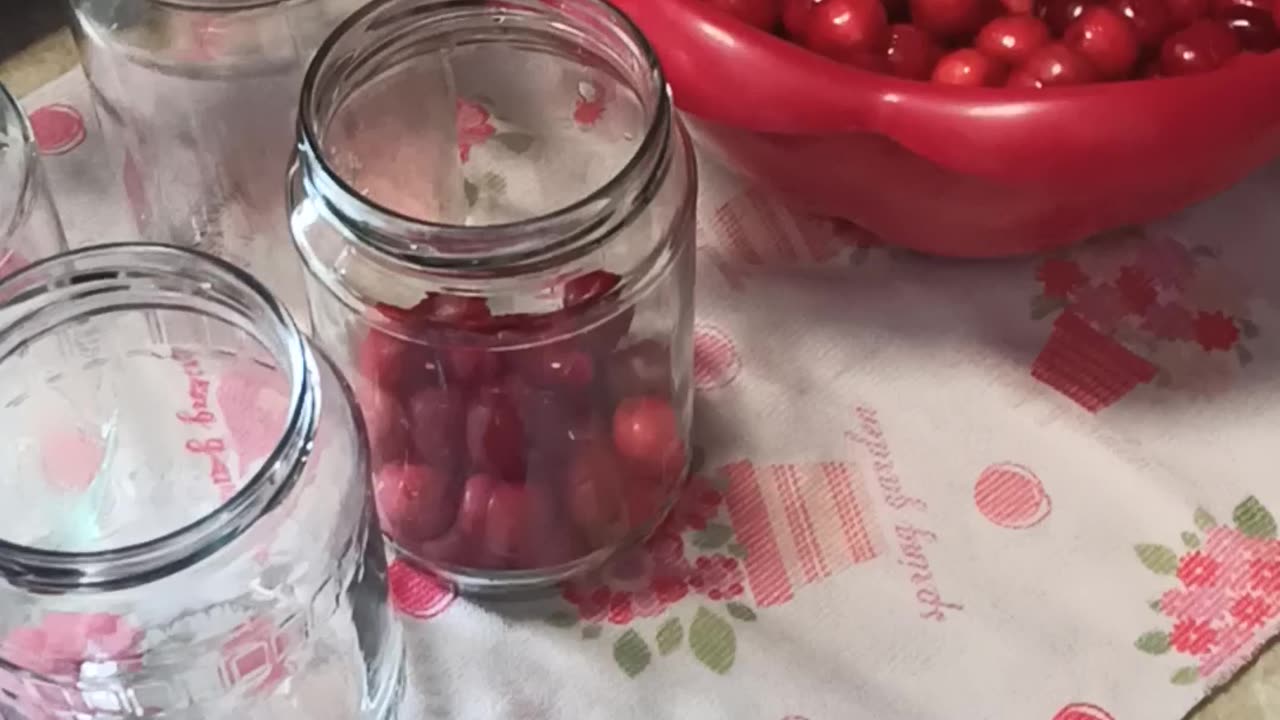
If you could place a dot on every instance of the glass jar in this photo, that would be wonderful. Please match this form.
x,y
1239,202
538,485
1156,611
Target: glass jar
x,y
495,204
197,100
29,225
187,527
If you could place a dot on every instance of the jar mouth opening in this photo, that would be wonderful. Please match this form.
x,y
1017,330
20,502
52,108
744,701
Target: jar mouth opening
x,y
47,299
17,136
541,235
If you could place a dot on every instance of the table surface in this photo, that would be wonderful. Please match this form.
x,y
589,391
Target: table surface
x,y
1255,695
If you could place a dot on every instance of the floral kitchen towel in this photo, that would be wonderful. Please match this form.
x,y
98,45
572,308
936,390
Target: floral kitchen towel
x,y
1039,489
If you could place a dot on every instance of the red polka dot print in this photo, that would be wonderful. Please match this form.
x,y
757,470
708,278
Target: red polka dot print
x,y
418,594
716,362
1081,711
1011,496
58,128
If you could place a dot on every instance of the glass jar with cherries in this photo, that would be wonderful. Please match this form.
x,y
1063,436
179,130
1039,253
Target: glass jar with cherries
x,y
495,204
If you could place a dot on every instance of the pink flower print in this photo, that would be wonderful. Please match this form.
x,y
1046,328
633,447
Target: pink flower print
x,y
62,642
718,577
1169,321
257,654
1215,331
592,602
589,106
1192,637
1204,604
1167,262
1104,306
1197,570
1264,577
1137,288
1219,289
696,505
1252,611
473,127
1060,278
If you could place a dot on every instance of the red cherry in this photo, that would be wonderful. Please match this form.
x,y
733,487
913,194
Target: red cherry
x,y
795,18
558,366
1254,27
969,68
549,535
1051,66
646,432
589,287
465,366
848,29
640,369
495,435
441,309
474,507
1150,19
1012,39
386,424
416,503
1059,14
395,363
948,19
1200,47
1106,39
594,493
1019,7
505,529
1184,12
436,419
1217,7
912,52
763,14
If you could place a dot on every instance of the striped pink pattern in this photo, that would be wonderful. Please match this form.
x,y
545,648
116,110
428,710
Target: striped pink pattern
x,y
747,511
811,561
841,483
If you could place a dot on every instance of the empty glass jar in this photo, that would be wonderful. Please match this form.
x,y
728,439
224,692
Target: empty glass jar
x,y
495,203
29,225
197,101
187,527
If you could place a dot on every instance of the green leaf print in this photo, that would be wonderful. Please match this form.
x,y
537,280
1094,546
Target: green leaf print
x,y
562,619
697,459
713,537
740,612
1155,642
1158,558
631,653
1252,519
591,632
1185,676
472,192
670,635
1191,540
1154,605
1204,520
517,142
737,550
1248,328
1244,355
712,640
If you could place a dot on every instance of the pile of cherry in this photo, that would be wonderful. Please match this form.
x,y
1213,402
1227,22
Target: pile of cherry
x,y
518,459
1021,43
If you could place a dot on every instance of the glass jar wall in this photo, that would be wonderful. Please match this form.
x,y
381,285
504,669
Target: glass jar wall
x,y
495,205
187,529
197,101
29,224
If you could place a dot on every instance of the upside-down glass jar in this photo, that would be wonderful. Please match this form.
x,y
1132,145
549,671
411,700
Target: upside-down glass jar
x,y
197,100
29,224
495,204
187,528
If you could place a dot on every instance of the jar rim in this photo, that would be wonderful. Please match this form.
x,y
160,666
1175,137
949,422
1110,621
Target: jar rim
x,y
94,272
586,211
217,5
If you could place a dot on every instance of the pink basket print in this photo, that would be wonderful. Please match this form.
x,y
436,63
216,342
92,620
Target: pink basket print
x,y
1087,366
800,524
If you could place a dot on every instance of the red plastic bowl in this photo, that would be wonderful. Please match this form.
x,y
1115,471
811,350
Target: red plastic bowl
x,y
959,171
